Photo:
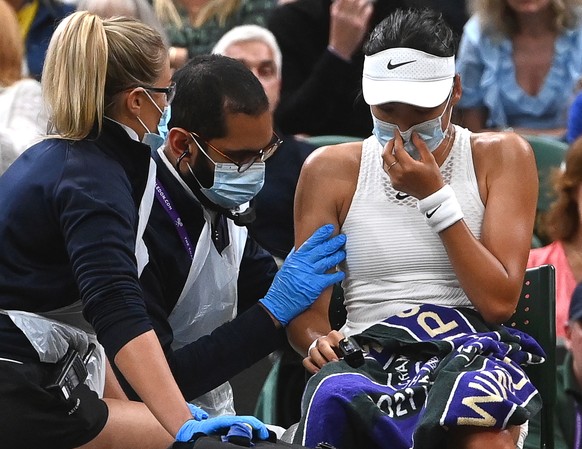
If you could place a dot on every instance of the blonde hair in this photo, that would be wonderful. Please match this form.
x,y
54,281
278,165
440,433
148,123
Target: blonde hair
x,y
498,19
11,46
89,61
220,10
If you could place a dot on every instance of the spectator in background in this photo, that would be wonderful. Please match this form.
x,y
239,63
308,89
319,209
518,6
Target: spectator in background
x,y
194,26
563,225
137,9
322,62
38,19
519,63
23,119
7,152
257,48
567,425
574,129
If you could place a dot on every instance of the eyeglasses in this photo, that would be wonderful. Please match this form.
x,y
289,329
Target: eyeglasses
x,y
170,91
260,155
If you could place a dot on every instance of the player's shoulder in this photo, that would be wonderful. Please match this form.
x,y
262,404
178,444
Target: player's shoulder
x,y
335,160
501,146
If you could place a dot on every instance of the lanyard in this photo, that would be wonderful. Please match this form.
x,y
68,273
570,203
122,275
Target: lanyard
x,y
164,200
578,434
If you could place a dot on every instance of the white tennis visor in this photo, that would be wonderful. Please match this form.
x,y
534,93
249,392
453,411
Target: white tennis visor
x,y
405,75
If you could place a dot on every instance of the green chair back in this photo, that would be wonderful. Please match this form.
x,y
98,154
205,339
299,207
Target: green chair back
x,y
536,315
321,141
549,154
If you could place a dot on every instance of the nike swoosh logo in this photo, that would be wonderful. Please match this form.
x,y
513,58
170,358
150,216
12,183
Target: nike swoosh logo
x,y
391,66
431,213
401,196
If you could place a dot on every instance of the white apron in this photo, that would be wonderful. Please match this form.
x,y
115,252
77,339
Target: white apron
x,y
209,299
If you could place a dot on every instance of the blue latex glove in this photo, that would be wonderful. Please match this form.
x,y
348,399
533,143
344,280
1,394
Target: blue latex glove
x,y
303,276
214,425
197,413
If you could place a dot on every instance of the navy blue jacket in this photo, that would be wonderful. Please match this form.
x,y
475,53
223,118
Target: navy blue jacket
x,y
68,221
234,346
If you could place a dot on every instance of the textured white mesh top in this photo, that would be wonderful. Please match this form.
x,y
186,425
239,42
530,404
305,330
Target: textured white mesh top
x,y
394,260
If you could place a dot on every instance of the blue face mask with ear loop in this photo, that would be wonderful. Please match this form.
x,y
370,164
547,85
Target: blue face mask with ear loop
x,y
430,131
230,188
157,140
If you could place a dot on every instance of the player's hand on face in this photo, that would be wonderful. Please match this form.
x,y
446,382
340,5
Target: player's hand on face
x,y
323,352
418,178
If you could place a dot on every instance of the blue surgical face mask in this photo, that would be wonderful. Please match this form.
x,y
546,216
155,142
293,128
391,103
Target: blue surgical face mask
x,y
157,140
430,131
154,141
164,120
230,188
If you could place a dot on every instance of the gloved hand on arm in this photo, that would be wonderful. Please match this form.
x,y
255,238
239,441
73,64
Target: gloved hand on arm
x,y
193,428
303,276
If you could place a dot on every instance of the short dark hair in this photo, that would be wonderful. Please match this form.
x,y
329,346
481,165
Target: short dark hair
x,y
420,29
208,87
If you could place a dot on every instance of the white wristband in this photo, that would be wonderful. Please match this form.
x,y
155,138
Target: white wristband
x,y
441,209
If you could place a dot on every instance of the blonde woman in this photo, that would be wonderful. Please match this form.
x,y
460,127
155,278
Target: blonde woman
x,y
22,117
70,253
520,62
194,26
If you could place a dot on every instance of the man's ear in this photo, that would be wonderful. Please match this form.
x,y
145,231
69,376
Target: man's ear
x,y
178,143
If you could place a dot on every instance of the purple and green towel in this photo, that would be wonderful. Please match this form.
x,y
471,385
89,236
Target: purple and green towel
x,y
429,369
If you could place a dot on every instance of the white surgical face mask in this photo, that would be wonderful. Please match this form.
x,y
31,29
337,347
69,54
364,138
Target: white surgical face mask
x,y
430,131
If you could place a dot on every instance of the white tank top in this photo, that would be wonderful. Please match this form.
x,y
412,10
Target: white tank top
x,y
394,260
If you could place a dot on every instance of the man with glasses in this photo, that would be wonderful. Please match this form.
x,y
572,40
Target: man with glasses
x,y
204,270
256,47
